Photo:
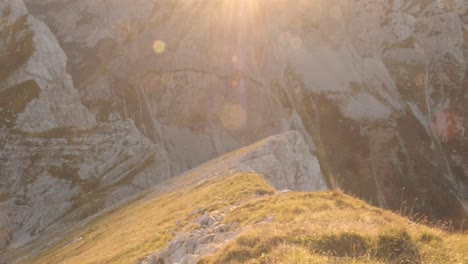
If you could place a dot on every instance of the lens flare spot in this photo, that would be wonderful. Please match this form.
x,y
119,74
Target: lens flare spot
x,y
234,83
233,116
235,59
159,46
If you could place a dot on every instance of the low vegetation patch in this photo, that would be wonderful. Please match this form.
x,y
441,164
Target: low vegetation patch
x,y
396,245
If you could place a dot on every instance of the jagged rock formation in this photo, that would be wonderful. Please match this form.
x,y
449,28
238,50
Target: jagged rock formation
x,y
69,175
37,92
283,160
57,163
378,88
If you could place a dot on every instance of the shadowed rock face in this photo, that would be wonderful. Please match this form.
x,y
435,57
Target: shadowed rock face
x,y
378,88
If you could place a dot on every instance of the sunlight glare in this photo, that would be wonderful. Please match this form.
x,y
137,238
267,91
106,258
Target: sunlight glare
x,y
159,46
235,83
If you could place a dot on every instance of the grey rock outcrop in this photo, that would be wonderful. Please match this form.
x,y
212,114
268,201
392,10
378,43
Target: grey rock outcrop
x,y
70,175
283,160
33,60
190,246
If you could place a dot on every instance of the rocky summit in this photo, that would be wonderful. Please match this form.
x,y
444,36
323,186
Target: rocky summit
x,y
103,101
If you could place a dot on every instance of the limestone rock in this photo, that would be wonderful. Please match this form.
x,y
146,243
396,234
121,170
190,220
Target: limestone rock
x,y
206,220
283,160
65,176
57,164
42,62
190,247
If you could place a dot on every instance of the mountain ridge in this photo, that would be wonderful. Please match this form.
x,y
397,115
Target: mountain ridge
x,y
283,160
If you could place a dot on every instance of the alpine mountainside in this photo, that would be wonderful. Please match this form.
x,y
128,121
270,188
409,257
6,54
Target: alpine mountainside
x,y
239,208
100,100
56,161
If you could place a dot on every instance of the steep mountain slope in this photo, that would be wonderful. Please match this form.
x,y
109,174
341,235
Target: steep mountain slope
x,y
379,88
283,161
241,219
56,161
331,228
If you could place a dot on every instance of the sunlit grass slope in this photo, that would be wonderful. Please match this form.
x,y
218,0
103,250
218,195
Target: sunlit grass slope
x,y
142,227
276,228
332,227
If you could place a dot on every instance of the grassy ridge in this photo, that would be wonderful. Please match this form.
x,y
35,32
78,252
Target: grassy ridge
x,y
328,227
333,227
128,234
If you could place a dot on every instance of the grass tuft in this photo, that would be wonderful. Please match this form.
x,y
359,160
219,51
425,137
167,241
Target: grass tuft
x,y
397,246
345,244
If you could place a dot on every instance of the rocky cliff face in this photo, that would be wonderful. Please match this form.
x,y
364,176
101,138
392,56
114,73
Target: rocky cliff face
x,y
377,87
34,63
56,161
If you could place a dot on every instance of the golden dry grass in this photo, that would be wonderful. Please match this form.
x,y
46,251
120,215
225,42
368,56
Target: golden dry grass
x,y
326,227
332,227
142,227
